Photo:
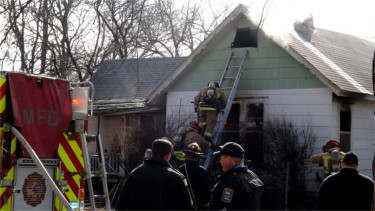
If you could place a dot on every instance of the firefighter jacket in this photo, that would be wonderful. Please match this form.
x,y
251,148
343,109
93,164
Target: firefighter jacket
x,y
204,103
199,182
346,190
237,189
325,159
194,136
155,185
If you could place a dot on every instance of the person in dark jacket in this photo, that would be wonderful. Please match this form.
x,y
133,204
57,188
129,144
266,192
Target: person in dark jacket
x,y
238,188
346,190
155,185
197,176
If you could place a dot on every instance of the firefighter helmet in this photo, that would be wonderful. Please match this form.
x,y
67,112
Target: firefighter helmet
x,y
193,149
195,125
331,144
213,84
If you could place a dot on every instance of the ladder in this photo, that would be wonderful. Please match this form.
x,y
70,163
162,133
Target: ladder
x,y
228,82
89,173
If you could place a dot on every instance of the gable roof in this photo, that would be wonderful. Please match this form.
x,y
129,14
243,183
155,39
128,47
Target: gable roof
x,y
342,62
124,84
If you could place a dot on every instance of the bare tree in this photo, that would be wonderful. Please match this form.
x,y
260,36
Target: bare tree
x,y
121,19
70,38
287,150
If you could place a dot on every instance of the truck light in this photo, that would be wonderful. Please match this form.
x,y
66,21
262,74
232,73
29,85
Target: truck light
x,y
80,98
82,194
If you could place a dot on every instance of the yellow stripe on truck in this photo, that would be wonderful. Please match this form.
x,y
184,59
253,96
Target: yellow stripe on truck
x,y
76,149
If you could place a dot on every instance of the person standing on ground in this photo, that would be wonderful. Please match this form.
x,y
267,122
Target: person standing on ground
x,y
330,159
197,176
238,188
155,185
346,190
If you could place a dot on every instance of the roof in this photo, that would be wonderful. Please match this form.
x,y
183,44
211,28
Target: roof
x,y
124,84
342,62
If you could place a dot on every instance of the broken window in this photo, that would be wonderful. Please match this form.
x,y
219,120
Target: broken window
x,y
345,130
254,131
245,37
231,129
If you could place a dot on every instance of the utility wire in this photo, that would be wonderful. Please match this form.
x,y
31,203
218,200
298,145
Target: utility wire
x,y
261,17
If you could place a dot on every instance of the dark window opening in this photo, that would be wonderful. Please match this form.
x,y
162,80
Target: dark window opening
x,y
245,37
230,132
345,128
345,121
254,131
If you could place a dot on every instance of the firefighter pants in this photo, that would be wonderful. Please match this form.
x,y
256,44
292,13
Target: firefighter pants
x,y
207,119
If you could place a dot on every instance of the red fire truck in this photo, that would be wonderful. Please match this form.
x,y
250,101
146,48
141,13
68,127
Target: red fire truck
x,y
42,134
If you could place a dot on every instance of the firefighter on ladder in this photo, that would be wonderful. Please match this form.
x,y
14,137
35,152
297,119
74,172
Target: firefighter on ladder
x,y
208,103
183,138
330,158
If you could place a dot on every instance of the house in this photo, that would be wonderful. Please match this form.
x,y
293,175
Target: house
x,y
121,111
314,76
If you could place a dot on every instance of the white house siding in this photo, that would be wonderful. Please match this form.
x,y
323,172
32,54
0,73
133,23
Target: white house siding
x,y
313,107
179,106
362,134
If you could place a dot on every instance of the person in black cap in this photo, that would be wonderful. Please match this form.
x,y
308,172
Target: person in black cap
x,y
238,188
346,190
155,185
197,177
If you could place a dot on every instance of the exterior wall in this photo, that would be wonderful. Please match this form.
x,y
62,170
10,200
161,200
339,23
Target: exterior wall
x,y
362,134
313,107
108,126
267,67
286,88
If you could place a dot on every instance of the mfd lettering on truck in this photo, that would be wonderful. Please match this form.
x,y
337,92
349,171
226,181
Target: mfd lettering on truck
x,y
40,116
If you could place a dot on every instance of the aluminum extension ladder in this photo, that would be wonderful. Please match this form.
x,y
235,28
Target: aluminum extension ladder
x,y
228,82
102,171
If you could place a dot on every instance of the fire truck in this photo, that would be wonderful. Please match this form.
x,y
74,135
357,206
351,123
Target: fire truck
x,y
43,152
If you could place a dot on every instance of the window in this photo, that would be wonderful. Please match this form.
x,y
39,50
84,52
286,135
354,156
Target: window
x,y
345,130
245,37
231,129
254,131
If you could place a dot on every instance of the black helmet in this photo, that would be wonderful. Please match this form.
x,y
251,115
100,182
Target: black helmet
x,y
193,149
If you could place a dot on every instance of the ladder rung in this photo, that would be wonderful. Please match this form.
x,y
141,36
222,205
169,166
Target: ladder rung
x,y
235,56
94,155
99,196
235,66
95,174
229,78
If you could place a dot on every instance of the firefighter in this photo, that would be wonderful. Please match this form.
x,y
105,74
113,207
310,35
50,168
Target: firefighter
x,y
208,103
185,137
197,176
330,158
